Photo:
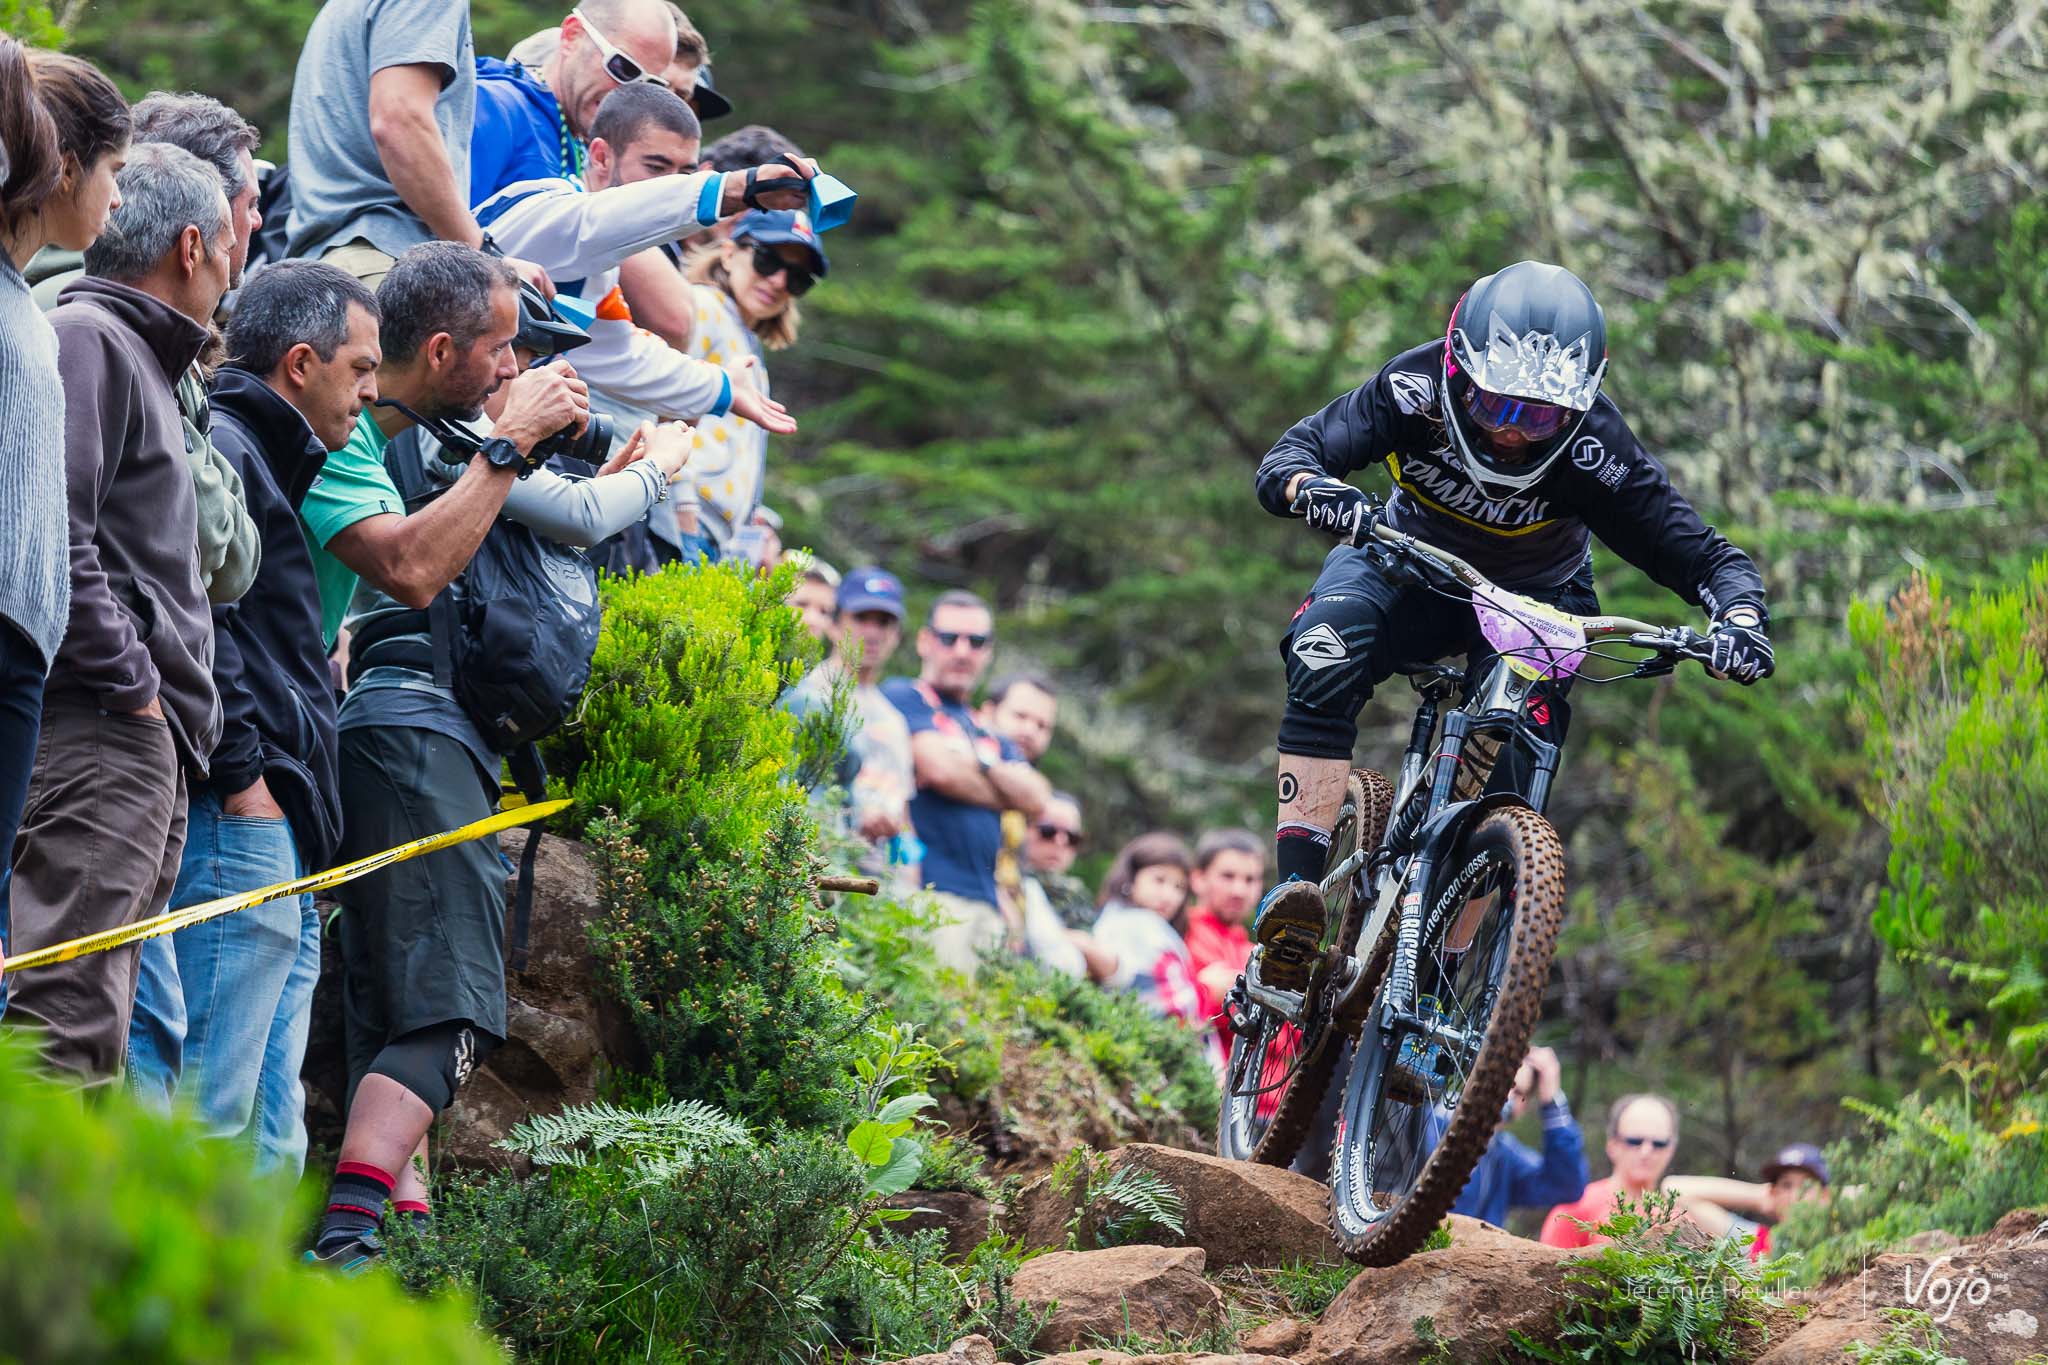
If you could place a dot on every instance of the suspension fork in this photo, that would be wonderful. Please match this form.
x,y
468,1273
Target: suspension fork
x,y
1407,809
1443,770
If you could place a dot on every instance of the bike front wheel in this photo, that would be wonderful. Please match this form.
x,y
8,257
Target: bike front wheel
x,y
1426,1088
1279,1071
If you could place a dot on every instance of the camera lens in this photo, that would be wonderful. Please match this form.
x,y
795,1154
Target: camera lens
x,y
595,444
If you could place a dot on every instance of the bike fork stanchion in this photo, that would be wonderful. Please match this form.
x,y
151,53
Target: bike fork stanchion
x,y
1401,973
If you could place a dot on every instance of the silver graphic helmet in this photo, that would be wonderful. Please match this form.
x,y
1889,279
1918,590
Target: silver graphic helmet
x,y
1523,359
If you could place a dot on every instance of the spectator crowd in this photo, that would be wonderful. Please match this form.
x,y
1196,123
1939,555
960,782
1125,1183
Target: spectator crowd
x,y
285,451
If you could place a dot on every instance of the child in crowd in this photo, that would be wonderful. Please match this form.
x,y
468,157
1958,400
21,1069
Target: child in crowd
x,y
1145,892
1229,872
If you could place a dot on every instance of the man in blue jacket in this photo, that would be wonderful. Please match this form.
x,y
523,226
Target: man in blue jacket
x,y
222,1008
1510,1175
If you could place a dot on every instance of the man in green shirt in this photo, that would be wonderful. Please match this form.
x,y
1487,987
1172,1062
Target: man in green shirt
x,y
450,313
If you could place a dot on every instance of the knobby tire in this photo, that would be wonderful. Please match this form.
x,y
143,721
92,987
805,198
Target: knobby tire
x,y
1368,803
1536,856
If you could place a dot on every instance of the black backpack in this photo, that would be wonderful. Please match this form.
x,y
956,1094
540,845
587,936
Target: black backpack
x,y
512,637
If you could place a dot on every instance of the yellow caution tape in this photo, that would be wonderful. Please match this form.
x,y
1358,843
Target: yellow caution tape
x,y
174,920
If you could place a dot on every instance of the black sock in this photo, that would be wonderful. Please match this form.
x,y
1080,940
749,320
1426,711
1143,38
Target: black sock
x,y
1301,851
355,1203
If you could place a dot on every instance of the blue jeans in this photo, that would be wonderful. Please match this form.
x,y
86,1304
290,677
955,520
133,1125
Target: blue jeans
x,y
210,998
21,717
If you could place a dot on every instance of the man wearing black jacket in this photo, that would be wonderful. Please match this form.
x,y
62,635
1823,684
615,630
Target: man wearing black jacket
x,y
1503,451
222,1008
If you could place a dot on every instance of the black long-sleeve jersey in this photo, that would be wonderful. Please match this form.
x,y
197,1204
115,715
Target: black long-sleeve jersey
x,y
1606,484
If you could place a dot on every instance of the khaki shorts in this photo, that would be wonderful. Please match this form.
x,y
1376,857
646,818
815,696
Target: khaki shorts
x,y
968,928
361,260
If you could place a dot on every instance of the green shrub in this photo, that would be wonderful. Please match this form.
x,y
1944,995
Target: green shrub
x,y
898,1295
1657,1291
126,1237
1116,1207
721,965
1912,1339
725,1260
712,935
1917,1166
1155,1065
678,731
1955,709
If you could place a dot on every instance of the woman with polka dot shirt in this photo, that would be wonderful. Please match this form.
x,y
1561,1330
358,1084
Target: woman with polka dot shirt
x,y
745,290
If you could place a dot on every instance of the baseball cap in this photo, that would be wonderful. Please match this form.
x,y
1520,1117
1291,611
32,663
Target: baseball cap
x,y
772,227
1800,1156
871,589
705,100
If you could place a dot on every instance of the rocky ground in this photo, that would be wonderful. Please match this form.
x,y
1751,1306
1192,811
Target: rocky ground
x,y
1230,1290
1215,1297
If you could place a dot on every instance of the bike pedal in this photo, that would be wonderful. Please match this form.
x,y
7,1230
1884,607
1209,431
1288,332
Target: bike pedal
x,y
1284,965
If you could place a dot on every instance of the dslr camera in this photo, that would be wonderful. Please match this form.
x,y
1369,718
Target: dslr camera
x,y
548,334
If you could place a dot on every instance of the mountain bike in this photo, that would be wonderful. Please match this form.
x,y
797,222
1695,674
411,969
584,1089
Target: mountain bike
x,y
1454,885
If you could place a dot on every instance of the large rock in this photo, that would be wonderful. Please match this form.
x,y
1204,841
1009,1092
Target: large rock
x,y
1240,1213
964,1218
1486,1284
1989,1298
974,1350
1280,1337
559,1022
1152,1292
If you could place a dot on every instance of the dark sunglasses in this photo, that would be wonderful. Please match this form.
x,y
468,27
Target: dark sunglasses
x,y
1658,1144
767,263
1070,837
949,638
1497,412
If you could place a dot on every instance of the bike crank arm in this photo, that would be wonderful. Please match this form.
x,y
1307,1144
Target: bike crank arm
x,y
1289,1005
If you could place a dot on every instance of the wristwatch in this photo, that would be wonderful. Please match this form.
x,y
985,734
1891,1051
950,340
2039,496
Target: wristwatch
x,y
504,455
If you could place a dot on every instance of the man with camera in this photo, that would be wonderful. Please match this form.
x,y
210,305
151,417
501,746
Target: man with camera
x,y
422,743
446,336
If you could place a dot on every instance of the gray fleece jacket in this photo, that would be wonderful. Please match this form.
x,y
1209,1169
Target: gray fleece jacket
x,y
140,624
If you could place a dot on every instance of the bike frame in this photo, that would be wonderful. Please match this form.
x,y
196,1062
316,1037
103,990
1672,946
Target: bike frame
x,y
1497,705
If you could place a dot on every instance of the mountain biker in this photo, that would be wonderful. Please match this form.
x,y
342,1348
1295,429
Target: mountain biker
x,y
1503,451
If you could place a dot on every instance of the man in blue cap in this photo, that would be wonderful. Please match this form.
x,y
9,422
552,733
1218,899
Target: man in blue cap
x,y
875,770
1737,1208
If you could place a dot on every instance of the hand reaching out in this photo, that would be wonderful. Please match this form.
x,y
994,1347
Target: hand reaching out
x,y
750,403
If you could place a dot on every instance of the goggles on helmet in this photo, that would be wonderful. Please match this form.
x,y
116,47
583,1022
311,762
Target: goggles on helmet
x,y
1494,413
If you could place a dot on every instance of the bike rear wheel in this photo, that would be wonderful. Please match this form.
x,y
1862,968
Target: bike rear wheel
x,y
1424,1095
1279,1071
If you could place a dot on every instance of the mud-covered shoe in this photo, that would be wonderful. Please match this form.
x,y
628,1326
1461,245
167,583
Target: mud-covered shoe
x,y
1290,932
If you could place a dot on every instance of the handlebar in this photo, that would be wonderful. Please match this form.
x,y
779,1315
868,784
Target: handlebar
x,y
1670,643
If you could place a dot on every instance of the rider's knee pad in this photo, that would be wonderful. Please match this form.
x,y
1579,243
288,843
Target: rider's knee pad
x,y
1328,654
434,1061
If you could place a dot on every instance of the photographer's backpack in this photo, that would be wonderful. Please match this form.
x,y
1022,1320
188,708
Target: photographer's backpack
x,y
512,637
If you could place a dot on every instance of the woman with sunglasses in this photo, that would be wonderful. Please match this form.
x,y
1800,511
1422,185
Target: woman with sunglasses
x,y
746,290
1504,451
